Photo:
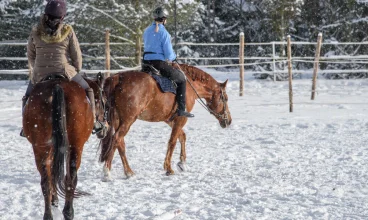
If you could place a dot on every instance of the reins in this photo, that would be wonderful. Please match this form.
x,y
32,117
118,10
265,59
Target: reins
x,y
223,116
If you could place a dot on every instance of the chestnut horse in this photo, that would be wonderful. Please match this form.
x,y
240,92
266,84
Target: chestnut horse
x,y
57,121
135,95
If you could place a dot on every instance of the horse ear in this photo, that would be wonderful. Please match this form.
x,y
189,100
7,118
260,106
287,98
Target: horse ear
x,y
100,79
223,85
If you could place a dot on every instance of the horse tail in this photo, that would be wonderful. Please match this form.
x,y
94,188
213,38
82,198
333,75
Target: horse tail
x,y
59,139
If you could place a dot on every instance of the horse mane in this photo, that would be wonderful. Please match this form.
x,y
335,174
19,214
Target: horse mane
x,y
197,74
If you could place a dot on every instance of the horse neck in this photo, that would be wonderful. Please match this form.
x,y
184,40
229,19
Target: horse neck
x,y
203,89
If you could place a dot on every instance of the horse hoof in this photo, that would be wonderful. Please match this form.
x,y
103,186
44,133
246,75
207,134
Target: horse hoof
x,y
129,174
182,167
106,175
106,179
169,173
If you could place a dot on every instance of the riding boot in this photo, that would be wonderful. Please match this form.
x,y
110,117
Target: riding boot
x,y
180,99
24,102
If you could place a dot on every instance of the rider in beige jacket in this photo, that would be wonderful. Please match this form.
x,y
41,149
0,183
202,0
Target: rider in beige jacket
x,y
53,49
53,52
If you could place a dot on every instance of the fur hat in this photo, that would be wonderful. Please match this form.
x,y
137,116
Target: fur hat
x,y
56,8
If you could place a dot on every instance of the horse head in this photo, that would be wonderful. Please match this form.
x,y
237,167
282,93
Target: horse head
x,y
218,106
100,99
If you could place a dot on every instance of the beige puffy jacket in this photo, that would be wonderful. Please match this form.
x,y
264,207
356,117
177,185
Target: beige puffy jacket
x,y
53,54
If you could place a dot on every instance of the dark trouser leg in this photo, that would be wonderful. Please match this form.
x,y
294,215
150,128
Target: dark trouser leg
x,y
178,77
90,94
98,126
24,102
79,79
180,96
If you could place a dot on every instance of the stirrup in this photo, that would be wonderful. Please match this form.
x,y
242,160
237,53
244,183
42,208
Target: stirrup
x,y
98,127
185,114
22,133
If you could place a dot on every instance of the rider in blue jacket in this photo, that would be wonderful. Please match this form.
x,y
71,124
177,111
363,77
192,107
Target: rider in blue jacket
x,y
158,50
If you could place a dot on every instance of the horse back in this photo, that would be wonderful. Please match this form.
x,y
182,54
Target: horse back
x,y
37,119
145,99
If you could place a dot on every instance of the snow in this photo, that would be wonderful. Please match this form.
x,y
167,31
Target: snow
x,y
270,164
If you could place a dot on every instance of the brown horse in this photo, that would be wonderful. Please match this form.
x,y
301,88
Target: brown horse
x,y
57,121
135,95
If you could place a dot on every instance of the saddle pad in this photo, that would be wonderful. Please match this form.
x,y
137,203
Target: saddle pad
x,y
165,84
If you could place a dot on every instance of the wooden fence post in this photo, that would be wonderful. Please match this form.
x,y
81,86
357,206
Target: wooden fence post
x,y
316,64
274,61
107,53
138,47
290,74
241,64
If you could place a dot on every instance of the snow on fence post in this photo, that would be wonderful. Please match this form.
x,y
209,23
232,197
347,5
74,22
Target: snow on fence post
x,y
316,64
107,53
274,61
241,64
290,74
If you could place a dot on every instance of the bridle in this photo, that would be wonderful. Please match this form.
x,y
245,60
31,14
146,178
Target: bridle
x,y
102,100
222,115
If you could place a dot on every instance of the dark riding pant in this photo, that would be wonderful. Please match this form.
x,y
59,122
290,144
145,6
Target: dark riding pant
x,y
77,78
175,75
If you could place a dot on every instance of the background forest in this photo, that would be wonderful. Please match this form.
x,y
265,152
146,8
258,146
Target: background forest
x,y
198,21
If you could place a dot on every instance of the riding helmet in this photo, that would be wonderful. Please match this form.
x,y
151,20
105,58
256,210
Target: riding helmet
x,y
56,8
160,13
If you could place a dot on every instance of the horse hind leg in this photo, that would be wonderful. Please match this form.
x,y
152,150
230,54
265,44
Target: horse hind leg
x,y
71,180
44,171
183,155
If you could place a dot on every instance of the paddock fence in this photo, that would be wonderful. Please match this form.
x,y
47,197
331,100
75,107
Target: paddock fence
x,y
268,59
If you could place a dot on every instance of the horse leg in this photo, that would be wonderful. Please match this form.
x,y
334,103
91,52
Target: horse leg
x,y
183,155
175,133
71,179
107,166
120,143
54,199
44,169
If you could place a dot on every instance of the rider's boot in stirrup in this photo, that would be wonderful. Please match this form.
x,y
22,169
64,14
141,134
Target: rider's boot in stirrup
x,y
185,114
24,101
97,126
180,98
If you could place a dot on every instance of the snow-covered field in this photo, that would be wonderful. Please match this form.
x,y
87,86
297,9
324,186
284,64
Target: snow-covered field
x,y
270,164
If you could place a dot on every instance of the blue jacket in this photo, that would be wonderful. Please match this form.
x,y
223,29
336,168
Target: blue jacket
x,y
158,43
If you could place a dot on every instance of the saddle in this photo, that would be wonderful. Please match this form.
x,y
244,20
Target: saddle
x,y
165,84
53,76
147,68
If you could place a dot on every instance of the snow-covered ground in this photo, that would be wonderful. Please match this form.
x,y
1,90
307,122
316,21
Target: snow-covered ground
x,y
270,164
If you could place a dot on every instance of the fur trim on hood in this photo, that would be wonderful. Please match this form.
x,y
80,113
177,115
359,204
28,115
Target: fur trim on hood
x,y
61,33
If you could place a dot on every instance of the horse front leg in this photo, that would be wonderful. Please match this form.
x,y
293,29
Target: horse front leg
x,y
107,166
175,133
120,143
183,155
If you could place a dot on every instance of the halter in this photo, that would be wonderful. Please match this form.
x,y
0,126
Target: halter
x,y
224,115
